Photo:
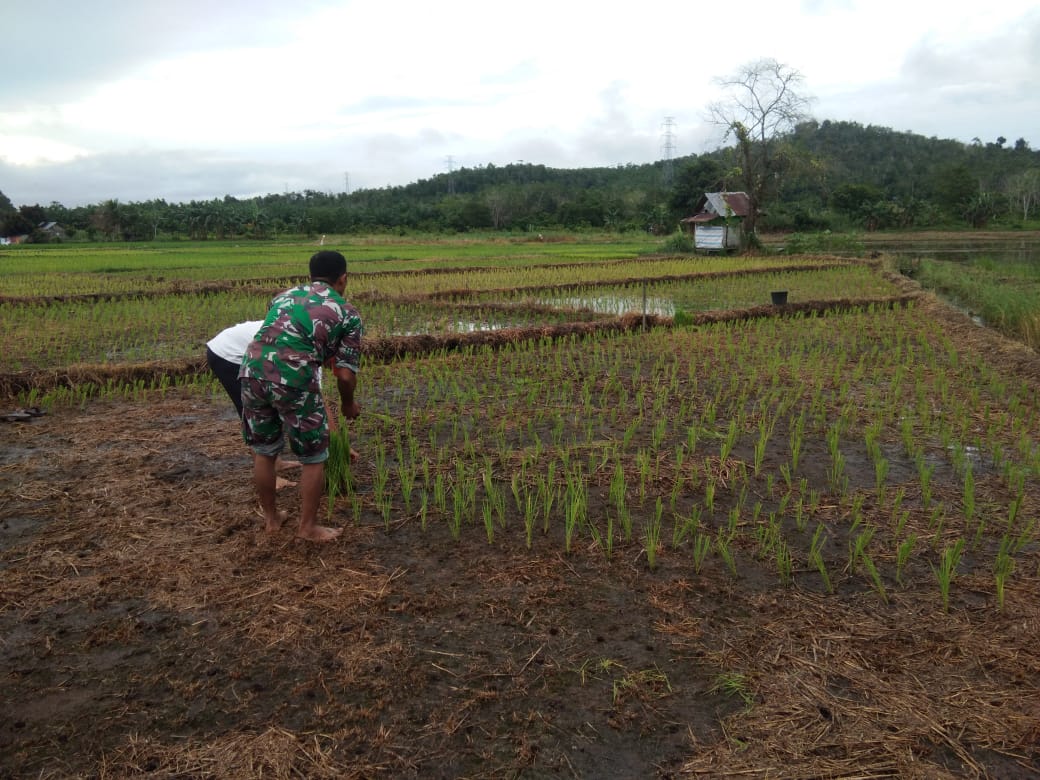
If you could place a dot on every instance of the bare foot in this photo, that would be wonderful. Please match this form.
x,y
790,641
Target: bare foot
x,y
273,526
281,484
318,533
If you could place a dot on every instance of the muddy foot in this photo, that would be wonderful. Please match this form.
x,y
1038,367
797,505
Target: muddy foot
x,y
273,527
319,533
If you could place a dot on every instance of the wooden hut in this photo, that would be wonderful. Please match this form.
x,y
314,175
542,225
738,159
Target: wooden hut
x,y
718,224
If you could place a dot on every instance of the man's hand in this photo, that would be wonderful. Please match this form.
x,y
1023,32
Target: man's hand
x,y
347,381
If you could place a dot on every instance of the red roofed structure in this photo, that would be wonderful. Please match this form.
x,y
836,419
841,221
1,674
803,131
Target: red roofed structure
x,y
718,223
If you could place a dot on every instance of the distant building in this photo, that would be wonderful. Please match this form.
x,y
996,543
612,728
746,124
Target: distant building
x,y
718,224
52,230
45,231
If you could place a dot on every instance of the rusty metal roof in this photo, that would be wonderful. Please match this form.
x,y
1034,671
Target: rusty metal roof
x,y
716,204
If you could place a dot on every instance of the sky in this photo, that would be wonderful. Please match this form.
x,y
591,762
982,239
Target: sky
x,y
197,99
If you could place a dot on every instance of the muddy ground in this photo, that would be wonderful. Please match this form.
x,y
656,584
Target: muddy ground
x,y
149,628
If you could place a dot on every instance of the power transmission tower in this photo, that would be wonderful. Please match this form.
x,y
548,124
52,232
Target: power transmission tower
x,y
346,183
450,162
668,149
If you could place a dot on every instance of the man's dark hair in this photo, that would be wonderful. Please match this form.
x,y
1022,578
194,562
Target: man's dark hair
x,y
327,265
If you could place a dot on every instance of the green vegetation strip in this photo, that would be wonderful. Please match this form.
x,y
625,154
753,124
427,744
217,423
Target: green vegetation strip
x,y
1005,295
141,329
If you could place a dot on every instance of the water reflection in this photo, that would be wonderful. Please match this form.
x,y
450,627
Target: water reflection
x,y
1012,249
459,326
614,305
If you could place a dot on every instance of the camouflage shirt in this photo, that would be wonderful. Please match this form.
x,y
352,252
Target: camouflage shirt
x,y
304,327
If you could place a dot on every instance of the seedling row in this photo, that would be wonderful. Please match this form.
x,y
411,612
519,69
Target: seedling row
x,y
850,452
129,330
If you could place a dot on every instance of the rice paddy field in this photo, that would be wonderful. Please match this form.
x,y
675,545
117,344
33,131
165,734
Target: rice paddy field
x,y
615,515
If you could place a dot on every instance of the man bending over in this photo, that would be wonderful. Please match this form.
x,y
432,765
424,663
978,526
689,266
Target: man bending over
x,y
305,327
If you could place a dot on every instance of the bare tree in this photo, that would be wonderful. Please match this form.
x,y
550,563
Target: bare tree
x,y
764,102
1023,192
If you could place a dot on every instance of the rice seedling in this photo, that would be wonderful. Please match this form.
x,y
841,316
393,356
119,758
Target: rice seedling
x,y
652,535
493,494
594,668
903,553
530,514
722,546
709,488
677,489
924,476
767,538
946,571
682,527
857,547
733,521
652,680
729,441
906,430
386,507
440,497
643,462
1003,567
836,476
631,430
575,507
899,518
733,684
880,475
1025,535
487,511
658,433
936,523
856,511
406,476
458,506
337,467
424,507
875,576
796,439
1017,485
816,556
514,486
801,520
692,433
784,562
701,544
765,432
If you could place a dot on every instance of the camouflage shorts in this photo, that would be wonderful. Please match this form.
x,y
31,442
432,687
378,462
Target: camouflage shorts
x,y
268,408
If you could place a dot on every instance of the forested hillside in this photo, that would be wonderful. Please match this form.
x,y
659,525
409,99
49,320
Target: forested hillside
x,y
834,175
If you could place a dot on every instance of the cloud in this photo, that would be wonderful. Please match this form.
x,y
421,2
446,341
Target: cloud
x,y
134,100
952,88
175,176
59,49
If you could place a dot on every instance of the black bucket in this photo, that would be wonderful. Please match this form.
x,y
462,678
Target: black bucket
x,y
779,298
